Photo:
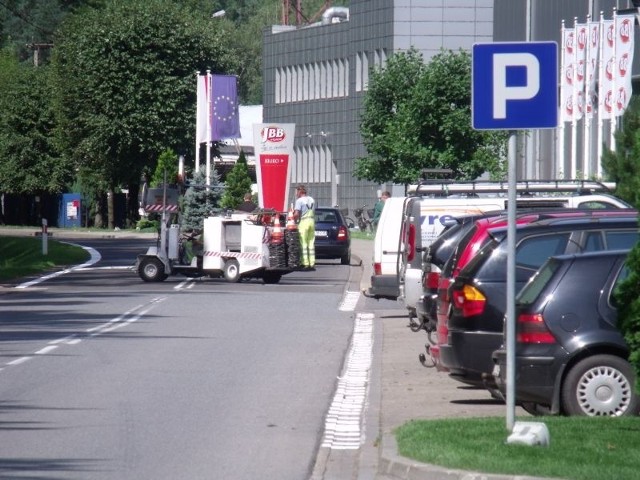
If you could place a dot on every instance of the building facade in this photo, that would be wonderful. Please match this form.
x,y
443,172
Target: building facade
x,y
316,76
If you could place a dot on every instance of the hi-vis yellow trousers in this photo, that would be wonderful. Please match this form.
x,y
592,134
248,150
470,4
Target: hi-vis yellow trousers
x,y
307,231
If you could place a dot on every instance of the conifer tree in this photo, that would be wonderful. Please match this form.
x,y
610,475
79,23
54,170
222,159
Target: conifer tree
x,y
238,182
623,167
199,201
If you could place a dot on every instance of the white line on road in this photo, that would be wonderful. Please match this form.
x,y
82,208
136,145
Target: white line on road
x,y
343,424
95,258
45,350
20,360
118,322
349,301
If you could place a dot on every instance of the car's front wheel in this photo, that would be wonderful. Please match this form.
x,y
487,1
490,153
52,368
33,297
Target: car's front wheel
x,y
601,385
151,270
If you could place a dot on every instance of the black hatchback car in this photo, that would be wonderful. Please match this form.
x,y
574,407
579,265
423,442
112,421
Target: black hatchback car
x,y
332,235
478,294
570,357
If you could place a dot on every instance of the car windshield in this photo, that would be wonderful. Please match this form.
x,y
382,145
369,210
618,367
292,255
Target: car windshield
x,y
534,287
327,216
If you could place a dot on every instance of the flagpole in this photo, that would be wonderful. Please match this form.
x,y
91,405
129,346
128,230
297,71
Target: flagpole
x,y
601,94
197,139
586,154
208,168
561,152
612,121
574,99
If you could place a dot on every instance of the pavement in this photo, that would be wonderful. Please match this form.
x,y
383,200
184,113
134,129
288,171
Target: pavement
x,y
401,389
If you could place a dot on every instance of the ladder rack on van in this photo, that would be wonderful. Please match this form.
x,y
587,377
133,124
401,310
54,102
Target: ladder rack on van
x,y
523,187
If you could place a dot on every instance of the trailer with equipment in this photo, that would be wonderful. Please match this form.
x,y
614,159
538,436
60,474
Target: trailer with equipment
x,y
233,246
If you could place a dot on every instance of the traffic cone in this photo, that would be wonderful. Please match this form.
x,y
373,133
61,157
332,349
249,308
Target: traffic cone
x,y
291,223
277,235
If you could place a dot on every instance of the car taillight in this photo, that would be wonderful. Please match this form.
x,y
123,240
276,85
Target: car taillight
x,y
431,280
411,242
342,233
469,300
377,269
532,329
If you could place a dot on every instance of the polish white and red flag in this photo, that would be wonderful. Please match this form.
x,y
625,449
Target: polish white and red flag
x,y
623,61
567,75
607,70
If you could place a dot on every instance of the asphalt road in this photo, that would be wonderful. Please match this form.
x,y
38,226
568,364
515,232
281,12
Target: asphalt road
x,y
103,376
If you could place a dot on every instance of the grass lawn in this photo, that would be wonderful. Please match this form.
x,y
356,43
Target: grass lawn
x,y
581,448
362,235
22,256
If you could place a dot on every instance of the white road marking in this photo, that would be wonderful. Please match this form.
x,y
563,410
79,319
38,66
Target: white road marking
x,y
349,301
120,321
343,424
95,258
185,284
45,350
20,360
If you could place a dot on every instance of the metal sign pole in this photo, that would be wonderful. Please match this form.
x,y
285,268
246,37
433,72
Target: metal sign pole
x,y
511,281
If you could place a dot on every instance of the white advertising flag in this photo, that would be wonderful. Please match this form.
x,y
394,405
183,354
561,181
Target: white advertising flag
x,y
579,49
567,75
607,70
623,61
593,46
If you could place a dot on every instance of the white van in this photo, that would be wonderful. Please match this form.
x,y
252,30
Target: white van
x,y
386,251
531,194
397,235
410,224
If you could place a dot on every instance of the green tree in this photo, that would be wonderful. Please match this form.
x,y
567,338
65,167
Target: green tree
x,y
29,25
31,161
418,116
125,84
167,165
623,167
237,183
199,201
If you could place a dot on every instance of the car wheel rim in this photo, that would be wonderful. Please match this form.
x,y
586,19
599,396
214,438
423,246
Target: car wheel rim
x,y
604,391
150,270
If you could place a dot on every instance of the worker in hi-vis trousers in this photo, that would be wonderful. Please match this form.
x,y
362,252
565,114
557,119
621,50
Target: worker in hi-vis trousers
x,y
304,214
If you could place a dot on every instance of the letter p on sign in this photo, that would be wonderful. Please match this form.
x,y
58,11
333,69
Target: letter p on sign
x,y
514,86
502,92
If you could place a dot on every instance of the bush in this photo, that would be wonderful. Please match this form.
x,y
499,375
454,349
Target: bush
x,y
147,225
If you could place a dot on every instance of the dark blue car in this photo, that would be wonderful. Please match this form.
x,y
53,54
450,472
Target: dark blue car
x,y
332,235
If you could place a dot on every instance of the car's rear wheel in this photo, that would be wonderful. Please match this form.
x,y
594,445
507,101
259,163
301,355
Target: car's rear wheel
x,y
232,271
601,385
346,258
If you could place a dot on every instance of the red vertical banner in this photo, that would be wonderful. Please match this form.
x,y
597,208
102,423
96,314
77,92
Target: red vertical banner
x,y
275,177
273,151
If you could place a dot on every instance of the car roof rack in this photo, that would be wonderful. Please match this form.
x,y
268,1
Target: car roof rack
x,y
523,187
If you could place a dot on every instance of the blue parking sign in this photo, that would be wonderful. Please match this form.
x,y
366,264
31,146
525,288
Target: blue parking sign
x,y
514,85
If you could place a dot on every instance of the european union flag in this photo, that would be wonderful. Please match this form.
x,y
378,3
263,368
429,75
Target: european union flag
x,y
225,120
